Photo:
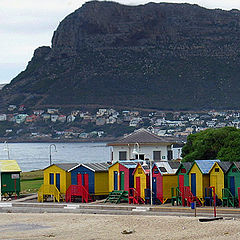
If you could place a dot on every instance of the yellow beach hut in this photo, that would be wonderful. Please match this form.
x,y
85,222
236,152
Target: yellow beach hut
x,y
141,179
217,177
199,177
57,179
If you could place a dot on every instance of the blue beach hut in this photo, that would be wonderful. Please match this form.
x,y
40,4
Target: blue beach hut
x,y
88,180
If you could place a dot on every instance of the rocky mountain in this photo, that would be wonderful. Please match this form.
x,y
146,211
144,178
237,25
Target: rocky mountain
x,y
158,55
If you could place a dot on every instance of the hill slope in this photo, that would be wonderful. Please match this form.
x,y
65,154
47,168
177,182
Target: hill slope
x,y
163,56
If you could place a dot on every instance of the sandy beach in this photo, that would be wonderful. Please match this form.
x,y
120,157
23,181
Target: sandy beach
x,y
79,226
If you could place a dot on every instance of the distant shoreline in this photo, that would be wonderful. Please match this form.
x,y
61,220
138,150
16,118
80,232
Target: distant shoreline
x,y
47,140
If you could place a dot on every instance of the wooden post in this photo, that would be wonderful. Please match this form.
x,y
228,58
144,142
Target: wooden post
x,y
214,201
195,208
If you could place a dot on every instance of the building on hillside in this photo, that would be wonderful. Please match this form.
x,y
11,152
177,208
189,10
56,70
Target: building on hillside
x,y
142,144
3,117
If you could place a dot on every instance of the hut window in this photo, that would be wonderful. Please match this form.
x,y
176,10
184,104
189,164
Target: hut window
x,y
156,155
216,169
156,171
139,171
234,170
183,170
123,155
15,176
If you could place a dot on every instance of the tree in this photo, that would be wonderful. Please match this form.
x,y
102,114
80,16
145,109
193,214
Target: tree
x,y
222,143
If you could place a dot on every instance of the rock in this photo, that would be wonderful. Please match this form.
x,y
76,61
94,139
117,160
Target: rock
x,y
157,55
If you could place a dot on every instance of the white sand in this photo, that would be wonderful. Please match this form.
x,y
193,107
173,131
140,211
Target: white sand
x,y
78,226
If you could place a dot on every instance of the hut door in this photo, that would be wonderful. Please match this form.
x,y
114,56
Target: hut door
x,y
121,180
214,183
79,179
138,186
193,183
58,181
51,177
154,187
86,183
181,182
115,180
232,185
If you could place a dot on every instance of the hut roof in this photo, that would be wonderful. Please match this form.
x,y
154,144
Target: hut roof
x,y
186,165
237,164
225,166
145,168
65,166
167,167
9,166
95,167
142,136
174,165
205,165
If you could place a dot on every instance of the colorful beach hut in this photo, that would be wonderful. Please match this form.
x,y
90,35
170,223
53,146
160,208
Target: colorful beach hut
x,y
218,177
121,175
10,177
199,177
57,179
141,179
88,180
182,173
164,179
233,178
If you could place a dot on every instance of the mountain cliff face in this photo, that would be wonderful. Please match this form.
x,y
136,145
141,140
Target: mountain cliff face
x,y
163,56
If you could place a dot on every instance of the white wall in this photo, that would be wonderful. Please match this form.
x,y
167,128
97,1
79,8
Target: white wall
x,y
146,150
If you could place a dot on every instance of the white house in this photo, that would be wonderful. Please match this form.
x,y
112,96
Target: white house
x,y
142,144
3,117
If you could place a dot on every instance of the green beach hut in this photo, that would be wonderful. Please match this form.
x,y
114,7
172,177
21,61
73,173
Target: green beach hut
x,y
10,177
233,183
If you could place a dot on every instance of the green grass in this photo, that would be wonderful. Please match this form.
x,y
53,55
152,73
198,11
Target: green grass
x,y
31,186
31,181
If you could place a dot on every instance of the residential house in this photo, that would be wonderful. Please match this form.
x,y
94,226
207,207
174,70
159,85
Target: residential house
x,y
71,118
38,112
20,118
12,107
31,118
54,118
142,144
46,116
3,117
52,111
62,118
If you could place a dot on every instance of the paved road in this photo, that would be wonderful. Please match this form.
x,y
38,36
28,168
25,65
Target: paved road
x,y
113,209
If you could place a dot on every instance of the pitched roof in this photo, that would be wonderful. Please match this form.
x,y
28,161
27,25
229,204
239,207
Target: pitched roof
x,y
225,166
97,167
141,136
205,165
65,166
9,166
237,164
174,165
145,168
186,165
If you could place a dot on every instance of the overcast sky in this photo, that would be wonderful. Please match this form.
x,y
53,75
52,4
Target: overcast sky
x,y
28,24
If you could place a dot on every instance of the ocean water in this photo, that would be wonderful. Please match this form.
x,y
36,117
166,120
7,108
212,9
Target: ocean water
x,y
33,156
